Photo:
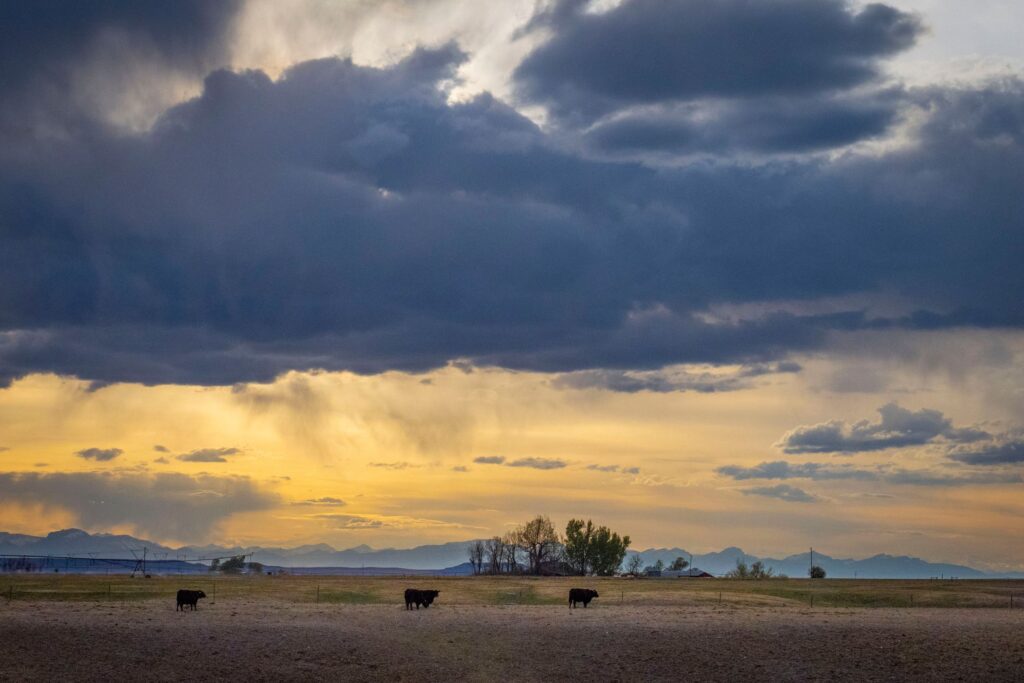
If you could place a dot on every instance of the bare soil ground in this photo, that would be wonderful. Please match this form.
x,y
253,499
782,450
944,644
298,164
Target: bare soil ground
x,y
262,638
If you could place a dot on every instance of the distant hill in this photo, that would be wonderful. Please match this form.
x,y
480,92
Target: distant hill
x,y
875,567
451,558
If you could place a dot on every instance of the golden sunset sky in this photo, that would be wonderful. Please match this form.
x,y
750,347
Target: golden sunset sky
x,y
398,273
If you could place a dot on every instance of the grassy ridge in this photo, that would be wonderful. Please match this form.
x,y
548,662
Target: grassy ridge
x,y
485,590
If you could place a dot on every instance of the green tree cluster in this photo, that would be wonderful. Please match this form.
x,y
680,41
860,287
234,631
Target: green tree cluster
x,y
593,550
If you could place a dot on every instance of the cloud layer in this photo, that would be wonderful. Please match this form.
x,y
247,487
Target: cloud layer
x,y
348,217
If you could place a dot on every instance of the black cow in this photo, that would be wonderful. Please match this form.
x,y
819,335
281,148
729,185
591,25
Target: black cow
x,y
419,597
584,595
189,599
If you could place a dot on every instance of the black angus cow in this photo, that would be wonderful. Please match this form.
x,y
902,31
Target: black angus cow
x,y
584,595
419,597
189,599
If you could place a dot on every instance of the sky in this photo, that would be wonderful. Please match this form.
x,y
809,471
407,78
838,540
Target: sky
x,y
711,273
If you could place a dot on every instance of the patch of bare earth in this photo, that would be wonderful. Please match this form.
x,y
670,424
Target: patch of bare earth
x,y
248,639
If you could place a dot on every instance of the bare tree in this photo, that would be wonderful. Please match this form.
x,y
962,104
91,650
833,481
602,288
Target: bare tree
x,y
476,556
539,542
494,551
511,552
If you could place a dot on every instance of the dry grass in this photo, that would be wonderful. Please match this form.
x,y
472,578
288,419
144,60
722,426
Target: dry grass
x,y
486,590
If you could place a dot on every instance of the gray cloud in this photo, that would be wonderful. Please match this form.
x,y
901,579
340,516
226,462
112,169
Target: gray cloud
x,y
460,468
766,127
161,449
898,428
925,478
209,455
353,522
785,492
165,506
100,454
324,500
394,465
537,463
692,49
1007,450
665,381
784,470
614,468
490,459
896,476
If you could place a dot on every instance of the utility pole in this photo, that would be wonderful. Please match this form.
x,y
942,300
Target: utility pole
x,y
812,557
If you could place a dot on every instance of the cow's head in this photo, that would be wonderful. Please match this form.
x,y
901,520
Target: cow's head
x,y
200,594
428,597
594,594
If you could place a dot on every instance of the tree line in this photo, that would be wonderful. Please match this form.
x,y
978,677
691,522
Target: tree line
x,y
535,547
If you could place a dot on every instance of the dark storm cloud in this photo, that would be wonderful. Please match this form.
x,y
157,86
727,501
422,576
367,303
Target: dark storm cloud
x,y
39,39
898,428
209,455
790,494
165,506
99,454
649,51
351,218
766,125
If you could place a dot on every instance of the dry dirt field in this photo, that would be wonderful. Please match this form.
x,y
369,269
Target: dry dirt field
x,y
266,633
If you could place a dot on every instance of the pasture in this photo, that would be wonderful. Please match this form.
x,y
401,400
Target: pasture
x,y
488,628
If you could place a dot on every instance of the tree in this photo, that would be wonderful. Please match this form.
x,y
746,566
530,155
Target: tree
x,y
510,543
740,572
215,566
476,556
678,564
255,568
579,539
816,572
233,566
635,564
593,550
608,550
494,553
538,540
656,567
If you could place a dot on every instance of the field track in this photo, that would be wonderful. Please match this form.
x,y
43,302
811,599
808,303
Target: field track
x,y
486,629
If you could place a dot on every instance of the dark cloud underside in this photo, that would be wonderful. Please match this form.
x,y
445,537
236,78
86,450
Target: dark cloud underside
x,y
346,217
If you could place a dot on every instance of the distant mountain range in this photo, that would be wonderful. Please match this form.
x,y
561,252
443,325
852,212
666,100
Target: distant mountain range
x,y
451,557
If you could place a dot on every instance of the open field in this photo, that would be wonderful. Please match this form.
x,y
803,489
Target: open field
x,y
488,628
